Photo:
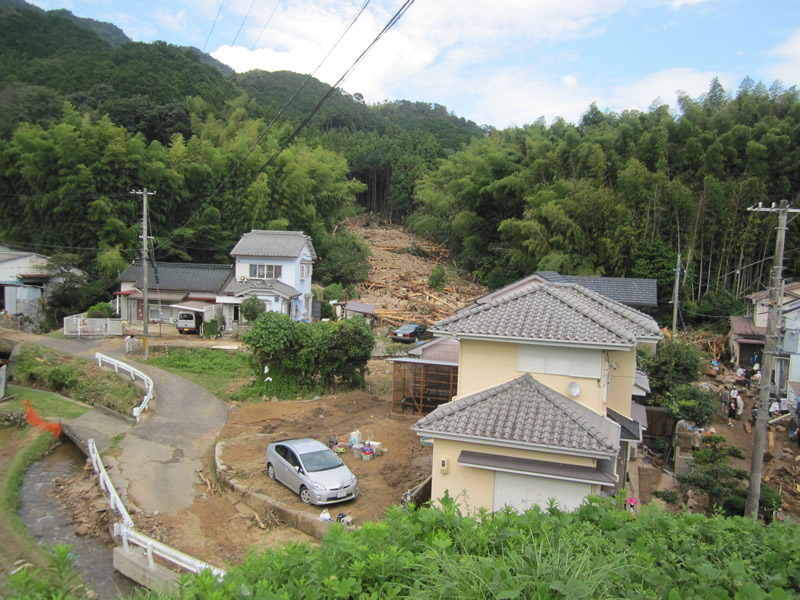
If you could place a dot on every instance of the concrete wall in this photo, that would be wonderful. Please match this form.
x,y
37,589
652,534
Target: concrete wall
x,y
620,381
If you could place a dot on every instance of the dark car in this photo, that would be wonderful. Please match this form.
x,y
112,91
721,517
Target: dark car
x,y
409,334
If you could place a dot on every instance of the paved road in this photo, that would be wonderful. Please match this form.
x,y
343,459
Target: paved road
x,y
160,456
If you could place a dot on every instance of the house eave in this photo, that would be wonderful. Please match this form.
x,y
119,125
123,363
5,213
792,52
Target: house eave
x,y
540,341
516,445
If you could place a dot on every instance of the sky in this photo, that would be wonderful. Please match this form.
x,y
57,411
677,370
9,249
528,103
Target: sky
x,y
501,63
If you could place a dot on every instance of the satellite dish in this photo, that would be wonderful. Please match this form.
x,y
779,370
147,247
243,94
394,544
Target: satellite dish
x,y
574,389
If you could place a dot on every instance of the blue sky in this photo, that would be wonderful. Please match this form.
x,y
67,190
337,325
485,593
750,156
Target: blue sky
x,y
505,62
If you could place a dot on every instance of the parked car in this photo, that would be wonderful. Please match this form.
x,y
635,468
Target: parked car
x,y
311,470
186,322
411,333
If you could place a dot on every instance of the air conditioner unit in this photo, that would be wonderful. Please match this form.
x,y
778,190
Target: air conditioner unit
x,y
242,278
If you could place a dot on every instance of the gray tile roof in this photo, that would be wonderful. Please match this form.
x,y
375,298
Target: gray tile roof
x,y
273,244
553,312
264,286
187,277
526,412
627,290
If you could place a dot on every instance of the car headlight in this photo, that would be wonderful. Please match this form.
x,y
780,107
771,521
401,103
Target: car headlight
x,y
317,485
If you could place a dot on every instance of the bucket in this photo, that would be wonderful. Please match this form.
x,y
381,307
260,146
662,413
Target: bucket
x,y
357,450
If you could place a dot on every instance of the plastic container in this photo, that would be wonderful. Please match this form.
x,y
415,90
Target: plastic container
x,y
357,450
355,437
367,456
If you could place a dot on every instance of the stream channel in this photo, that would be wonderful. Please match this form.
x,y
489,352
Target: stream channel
x,y
48,523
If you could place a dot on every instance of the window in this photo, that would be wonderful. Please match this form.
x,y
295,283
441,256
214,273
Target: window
x,y
266,271
305,271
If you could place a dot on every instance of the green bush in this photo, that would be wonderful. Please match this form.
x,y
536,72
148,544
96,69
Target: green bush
x,y
345,259
101,310
210,329
438,278
692,403
673,364
251,307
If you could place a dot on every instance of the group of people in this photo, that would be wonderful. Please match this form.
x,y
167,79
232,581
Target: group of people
x,y
732,402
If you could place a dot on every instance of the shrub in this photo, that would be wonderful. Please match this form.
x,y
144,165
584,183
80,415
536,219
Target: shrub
x,y
345,259
691,403
251,307
101,310
211,329
438,278
672,365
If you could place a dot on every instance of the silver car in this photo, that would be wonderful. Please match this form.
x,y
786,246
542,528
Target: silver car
x,y
311,469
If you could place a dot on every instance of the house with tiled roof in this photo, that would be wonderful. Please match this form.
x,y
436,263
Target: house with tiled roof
x,y
274,266
26,282
631,291
546,377
749,333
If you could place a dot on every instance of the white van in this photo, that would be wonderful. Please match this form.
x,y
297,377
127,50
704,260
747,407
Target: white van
x,y
187,322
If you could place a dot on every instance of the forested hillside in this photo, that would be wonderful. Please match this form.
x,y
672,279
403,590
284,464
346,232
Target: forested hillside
x,y
84,122
621,194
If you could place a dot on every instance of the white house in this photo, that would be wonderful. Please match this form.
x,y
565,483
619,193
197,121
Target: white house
x,y
274,266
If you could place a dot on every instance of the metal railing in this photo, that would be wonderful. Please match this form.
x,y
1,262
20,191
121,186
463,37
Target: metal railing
x,y
134,373
125,528
80,326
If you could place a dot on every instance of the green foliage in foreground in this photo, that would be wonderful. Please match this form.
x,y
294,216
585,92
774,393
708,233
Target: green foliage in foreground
x,y
79,379
309,355
598,551
58,580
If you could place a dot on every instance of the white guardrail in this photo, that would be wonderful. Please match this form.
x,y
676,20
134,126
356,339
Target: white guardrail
x,y
129,535
134,373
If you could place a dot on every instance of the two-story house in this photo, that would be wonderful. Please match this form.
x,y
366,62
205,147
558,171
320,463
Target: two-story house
x,y
274,266
544,409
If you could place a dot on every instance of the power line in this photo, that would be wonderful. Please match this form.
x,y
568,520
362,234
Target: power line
x,y
289,103
263,29
243,22
213,24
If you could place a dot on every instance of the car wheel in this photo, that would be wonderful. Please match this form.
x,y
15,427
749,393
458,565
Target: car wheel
x,y
305,495
270,471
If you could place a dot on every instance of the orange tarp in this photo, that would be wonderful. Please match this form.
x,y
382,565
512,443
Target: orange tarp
x,y
33,418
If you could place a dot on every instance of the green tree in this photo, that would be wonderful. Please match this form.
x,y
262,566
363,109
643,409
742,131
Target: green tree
x,y
438,278
345,260
674,364
251,308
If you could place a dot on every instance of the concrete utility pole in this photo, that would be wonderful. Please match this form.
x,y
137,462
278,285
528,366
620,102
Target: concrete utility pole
x,y
146,314
769,361
675,298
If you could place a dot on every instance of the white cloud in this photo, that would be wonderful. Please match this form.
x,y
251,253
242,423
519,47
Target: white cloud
x,y
569,80
788,54
678,3
174,22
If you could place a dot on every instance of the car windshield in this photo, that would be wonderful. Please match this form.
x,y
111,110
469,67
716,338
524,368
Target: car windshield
x,y
407,328
321,460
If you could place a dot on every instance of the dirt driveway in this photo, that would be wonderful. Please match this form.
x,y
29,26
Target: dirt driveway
x,y
382,481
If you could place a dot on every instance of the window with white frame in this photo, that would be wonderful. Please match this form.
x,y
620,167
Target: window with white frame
x,y
265,271
305,271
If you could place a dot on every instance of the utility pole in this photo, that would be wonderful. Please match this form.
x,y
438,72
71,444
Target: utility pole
x,y
675,298
146,313
769,361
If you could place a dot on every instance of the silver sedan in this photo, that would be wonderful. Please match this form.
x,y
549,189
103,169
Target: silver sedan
x,y
311,470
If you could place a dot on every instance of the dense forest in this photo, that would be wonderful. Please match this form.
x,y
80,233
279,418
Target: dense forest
x,y
88,116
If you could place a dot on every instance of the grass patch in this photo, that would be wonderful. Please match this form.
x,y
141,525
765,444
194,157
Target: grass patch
x,y
81,380
47,404
27,445
228,376
113,446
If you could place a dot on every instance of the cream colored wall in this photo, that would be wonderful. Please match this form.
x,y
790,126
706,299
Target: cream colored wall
x,y
474,488
484,364
620,381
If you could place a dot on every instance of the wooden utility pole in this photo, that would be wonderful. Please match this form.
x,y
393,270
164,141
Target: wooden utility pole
x,y
675,298
146,312
769,377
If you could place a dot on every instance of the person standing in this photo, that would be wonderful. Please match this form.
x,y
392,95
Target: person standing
x,y
724,397
732,407
739,407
